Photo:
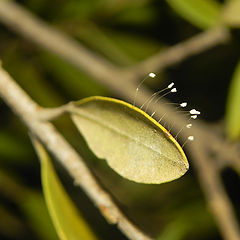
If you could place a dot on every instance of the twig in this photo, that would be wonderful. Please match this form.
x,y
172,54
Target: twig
x,y
28,111
121,82
27,25
218,200
183,50
34,29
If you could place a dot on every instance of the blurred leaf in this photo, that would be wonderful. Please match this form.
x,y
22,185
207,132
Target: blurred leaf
x,y
231,13
36,5
75,9
190,222
124,49
137,14
31,204
118,7
10,225
233,106
120,11
37,215
12,147
27,74
134,144
201,13
72,80
89,32
137,47
68,222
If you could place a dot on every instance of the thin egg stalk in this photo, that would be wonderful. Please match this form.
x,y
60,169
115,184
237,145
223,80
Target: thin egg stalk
x,y
134,144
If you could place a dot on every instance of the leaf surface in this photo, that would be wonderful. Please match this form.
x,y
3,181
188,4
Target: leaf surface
x,y
68,222
231,13
133,144
233,106
201,13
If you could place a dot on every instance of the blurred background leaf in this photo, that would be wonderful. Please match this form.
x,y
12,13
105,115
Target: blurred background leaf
x,y
8,142
37,215
27,204
233,106
201,13
68,222
231,14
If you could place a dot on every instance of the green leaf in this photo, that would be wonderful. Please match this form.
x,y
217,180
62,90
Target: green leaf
x,y
36,213
134,144
105,45
231,13
12,147
192,221
201,13
138,48
69,224
72,80
26,71
233,103
31,204
138,14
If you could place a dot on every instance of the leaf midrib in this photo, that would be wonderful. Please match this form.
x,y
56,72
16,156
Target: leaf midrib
x,y
91,117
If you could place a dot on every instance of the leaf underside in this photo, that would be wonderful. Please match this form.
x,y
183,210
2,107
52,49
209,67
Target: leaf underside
x,y
133,144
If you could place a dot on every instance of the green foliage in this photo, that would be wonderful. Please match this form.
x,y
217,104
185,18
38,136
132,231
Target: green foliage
x,y
139,12
69,224
70,78
8,142
79,9
31,205
231,14
137,48
233,104
26,71
36,213
201,13
134,144
191,221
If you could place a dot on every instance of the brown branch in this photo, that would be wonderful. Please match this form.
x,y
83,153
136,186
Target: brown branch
x,y
183,50
121,82
27,25
217,198
28,111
